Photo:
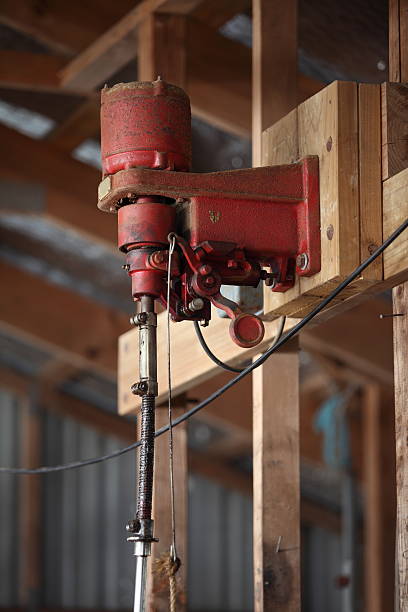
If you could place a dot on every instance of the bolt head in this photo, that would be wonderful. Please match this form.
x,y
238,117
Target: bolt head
x,y
133,526
205,269
196,304
209,281
139,388
302,261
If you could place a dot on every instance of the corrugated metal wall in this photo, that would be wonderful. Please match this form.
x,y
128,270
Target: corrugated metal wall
x,y
87,561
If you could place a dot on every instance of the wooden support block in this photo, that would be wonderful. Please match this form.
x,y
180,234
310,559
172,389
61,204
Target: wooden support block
x,y
340,124
190,366
400,305
394,111
277,483
395,211
370,192
398,35
158,586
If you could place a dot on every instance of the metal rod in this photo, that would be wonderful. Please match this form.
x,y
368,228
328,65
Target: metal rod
x,y
140,585
147,387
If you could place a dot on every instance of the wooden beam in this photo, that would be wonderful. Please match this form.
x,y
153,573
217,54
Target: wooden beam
x,y
116,47
274,66
394,110
400,305
31,71
86,336
66,28
71,185
82,124
395,211
398,35
277,483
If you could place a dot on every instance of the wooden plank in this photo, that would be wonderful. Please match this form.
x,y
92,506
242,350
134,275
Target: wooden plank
x,y
369,135
346,337
65,27
86,336
394,59
274,66
400,305
116,47
33,71
280,145
373,554
186,350
328,127
403,38
394,111
71,185
158,587
277,483
395,211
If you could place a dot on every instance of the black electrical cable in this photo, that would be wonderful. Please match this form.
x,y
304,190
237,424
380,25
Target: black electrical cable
x,y
290,334
220,363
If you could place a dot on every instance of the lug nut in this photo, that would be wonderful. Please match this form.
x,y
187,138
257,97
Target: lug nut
x,y
139,388
138,319
209,281
205,269
196,304
302,261
133,526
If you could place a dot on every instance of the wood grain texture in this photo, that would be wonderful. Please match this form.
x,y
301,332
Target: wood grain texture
x,y
162,48
373,574
277,483
394,117
328,127
274,66
395,211
369,145
394,56
193,367
400,305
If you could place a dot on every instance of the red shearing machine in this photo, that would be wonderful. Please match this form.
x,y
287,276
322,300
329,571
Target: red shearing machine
x,y
238,227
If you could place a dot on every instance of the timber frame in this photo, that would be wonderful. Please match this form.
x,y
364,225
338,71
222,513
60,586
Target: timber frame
x,y
359,132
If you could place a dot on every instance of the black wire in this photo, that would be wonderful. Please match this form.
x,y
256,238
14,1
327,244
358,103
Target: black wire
x,y
220,363
290,334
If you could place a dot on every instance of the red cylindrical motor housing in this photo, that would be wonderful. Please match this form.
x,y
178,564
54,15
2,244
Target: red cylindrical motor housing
x,y
145,124
145,224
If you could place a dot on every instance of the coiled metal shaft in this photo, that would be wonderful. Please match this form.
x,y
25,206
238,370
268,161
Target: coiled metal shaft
x,y
146,458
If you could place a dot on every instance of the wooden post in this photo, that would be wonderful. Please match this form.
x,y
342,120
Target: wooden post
x,y
276,383
277,483
400,306
274,66
373,554
158,590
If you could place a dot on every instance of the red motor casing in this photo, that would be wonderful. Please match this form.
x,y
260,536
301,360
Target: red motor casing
x,y
145,125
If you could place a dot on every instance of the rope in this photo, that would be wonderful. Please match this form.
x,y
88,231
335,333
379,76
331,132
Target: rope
x,y
173,562
168,568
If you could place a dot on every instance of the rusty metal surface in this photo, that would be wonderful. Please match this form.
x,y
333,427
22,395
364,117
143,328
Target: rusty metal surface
x,y
147,125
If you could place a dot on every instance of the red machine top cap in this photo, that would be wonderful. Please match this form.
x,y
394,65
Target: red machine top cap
x,y
145,124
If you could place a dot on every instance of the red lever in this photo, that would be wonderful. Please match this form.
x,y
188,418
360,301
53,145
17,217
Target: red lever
x,y
247,330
